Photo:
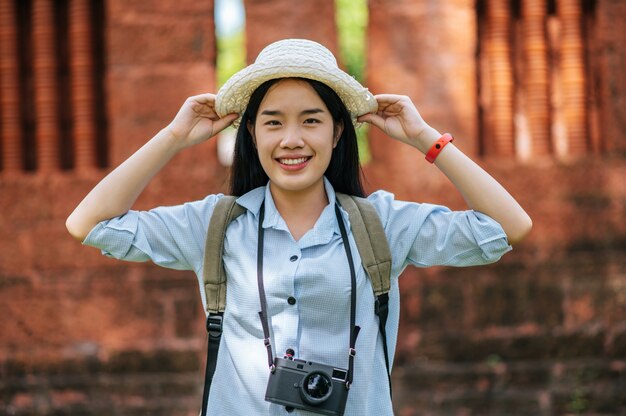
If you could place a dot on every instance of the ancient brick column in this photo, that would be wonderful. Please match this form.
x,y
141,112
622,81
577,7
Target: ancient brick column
x,y
10,129
426,50
573,76
501,79
82,84
609,52
271,20
44,73
536,75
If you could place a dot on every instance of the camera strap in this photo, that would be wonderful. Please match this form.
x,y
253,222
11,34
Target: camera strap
x,y
354,329
259,275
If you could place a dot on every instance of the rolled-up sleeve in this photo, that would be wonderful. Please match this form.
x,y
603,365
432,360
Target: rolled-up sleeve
x,y
115,237
426,235
171,237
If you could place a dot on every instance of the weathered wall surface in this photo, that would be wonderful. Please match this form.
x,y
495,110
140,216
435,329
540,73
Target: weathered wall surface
x,y
541,332
612,62
79,333
272,20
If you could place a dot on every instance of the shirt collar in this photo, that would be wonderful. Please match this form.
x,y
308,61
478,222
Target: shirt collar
x,y
323,229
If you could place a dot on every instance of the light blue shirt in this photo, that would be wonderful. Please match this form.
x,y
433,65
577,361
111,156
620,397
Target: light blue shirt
x,y
314,270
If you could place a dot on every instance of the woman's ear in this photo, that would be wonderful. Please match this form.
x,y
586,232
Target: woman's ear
x,y
250,128
338,130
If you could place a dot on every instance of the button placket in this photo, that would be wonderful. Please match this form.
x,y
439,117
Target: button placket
x,y
294,256
292,300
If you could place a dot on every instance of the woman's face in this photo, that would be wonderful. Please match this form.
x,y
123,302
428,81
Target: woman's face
x,y
295,135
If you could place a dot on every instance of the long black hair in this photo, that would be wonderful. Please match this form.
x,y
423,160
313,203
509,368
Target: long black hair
x,y
344,170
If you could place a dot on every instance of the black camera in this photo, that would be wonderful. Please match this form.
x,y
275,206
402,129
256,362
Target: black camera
x,y
307,385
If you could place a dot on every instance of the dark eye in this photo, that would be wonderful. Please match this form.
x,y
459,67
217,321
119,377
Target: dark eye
x,y
272,123
311,121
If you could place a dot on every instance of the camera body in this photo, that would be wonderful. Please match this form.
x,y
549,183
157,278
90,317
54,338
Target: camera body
x,y
307,385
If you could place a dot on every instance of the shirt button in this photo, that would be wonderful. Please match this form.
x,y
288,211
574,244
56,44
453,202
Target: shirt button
x,y
291,300
293,258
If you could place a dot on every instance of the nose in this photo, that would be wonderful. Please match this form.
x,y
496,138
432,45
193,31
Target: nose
x,y
292,138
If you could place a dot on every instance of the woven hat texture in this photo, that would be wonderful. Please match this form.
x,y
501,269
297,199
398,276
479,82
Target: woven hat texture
x,y
294,58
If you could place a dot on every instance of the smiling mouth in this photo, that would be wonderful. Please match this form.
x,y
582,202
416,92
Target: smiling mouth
x,y
293,161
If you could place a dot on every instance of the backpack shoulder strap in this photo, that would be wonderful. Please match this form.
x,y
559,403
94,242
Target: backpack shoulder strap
x,y
213,273
370,239
214,279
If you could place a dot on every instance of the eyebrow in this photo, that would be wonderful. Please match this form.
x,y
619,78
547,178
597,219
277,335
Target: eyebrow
x,y
303,112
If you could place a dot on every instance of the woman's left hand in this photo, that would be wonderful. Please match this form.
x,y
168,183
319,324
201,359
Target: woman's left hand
x,y
398,118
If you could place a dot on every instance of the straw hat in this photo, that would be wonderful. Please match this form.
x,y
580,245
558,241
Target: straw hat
x,y
294,58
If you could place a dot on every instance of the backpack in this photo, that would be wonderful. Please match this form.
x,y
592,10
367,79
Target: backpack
x,y
371,242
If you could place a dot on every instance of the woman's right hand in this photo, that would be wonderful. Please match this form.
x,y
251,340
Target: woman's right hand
x,y
197,121
114,195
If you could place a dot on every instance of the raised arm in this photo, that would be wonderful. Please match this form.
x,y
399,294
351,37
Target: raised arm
x,y
398,118
114,195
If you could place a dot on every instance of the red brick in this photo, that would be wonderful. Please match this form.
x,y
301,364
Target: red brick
x,y
309,20
611,41
68,398
400,63
177,44
138,9
541,332
145,99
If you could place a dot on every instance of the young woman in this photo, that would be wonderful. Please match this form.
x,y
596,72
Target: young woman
x,y
295,148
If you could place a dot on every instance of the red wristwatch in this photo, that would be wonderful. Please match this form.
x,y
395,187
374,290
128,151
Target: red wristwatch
x,y
438,146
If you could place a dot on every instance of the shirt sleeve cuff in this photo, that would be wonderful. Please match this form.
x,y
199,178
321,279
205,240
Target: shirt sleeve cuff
x,y
490,237
114,237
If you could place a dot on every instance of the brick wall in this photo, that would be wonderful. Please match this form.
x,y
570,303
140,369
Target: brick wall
x,y
541,332
80,333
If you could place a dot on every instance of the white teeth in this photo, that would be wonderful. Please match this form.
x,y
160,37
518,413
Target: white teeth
x,y
293,161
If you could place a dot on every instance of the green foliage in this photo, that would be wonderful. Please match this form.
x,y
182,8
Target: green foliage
x,y
363,141
578,401
351,19
493,360
231,55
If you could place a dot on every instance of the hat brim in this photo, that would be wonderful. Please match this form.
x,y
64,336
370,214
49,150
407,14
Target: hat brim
x,y
234,95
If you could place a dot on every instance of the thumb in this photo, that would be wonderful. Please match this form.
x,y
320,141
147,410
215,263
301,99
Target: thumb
x,y
224,122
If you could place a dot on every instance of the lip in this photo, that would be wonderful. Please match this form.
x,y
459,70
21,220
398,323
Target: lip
x,y
295,167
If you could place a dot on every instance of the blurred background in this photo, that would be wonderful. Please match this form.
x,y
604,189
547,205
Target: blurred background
x,y
534,90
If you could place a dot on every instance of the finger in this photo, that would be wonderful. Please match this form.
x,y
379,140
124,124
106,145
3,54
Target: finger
x,y
373,119
387,109
393,103
387,99
206,98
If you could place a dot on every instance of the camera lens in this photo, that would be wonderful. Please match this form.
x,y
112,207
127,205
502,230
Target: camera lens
x,y
316,387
